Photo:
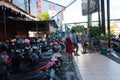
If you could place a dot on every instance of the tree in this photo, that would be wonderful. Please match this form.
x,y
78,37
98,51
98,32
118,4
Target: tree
x,y
95,31
78,28
43,16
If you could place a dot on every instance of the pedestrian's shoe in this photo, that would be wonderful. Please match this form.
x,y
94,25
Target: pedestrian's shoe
x,y
84,52
76,54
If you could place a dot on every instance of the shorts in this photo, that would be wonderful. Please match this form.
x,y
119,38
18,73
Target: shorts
x,y
76,46
85,43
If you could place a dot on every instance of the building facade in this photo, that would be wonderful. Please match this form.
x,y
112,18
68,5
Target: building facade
x,y
54,10
18,17
30,6
34,7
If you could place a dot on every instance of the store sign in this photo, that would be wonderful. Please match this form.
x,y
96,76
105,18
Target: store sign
x,y
52,12
39,5
93,6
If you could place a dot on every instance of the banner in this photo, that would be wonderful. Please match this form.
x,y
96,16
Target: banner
x,y
39,5
93,6
52,12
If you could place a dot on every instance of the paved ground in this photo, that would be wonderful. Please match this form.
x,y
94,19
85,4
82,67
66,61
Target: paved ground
x,y
71,72
115,56
68,70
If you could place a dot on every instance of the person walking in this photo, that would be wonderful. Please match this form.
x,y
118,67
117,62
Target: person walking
x,y
85,40
75,43
69,47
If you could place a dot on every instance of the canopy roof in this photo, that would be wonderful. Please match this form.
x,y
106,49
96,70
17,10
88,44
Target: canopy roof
x,y
33,25
64,3
12,11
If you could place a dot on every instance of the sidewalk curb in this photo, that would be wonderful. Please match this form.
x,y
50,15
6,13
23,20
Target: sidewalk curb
x,y
77,72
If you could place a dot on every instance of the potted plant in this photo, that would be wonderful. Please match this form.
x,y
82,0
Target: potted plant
x,y
104,44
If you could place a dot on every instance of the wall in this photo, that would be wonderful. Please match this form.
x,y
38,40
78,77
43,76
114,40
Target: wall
x,y
13,30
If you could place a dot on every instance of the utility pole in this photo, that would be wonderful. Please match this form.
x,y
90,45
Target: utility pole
x,y
108,21
99,17
89,23
103,16
4,17
25,2
29,10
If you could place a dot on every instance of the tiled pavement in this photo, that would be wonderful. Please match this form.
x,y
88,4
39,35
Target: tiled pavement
x,y
94,66
90,66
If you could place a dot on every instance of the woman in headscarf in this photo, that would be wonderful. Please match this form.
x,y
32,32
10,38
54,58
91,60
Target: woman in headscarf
x,y
69,46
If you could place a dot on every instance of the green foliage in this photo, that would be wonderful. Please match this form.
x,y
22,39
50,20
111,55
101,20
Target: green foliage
x,y
78,28
95,31
43,16
104,37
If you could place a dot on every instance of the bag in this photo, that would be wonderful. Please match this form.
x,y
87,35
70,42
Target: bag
x,y
87,43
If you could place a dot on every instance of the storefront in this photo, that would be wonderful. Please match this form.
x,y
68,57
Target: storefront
x,y
9,15
15,22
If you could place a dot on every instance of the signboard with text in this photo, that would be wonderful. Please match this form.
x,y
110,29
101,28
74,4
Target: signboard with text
x,y
39,5
93,6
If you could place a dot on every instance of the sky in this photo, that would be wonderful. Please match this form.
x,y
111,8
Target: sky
x,y
74,12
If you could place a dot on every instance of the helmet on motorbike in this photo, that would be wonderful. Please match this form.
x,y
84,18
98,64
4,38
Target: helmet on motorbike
x,y
32,41
3,47
37,41
56,48
46,48
55,43
12,40
43,39
34,47
27,41
34,57
20,41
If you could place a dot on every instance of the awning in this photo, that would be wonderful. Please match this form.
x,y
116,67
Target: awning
x,y
36,25
41,25
14,12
